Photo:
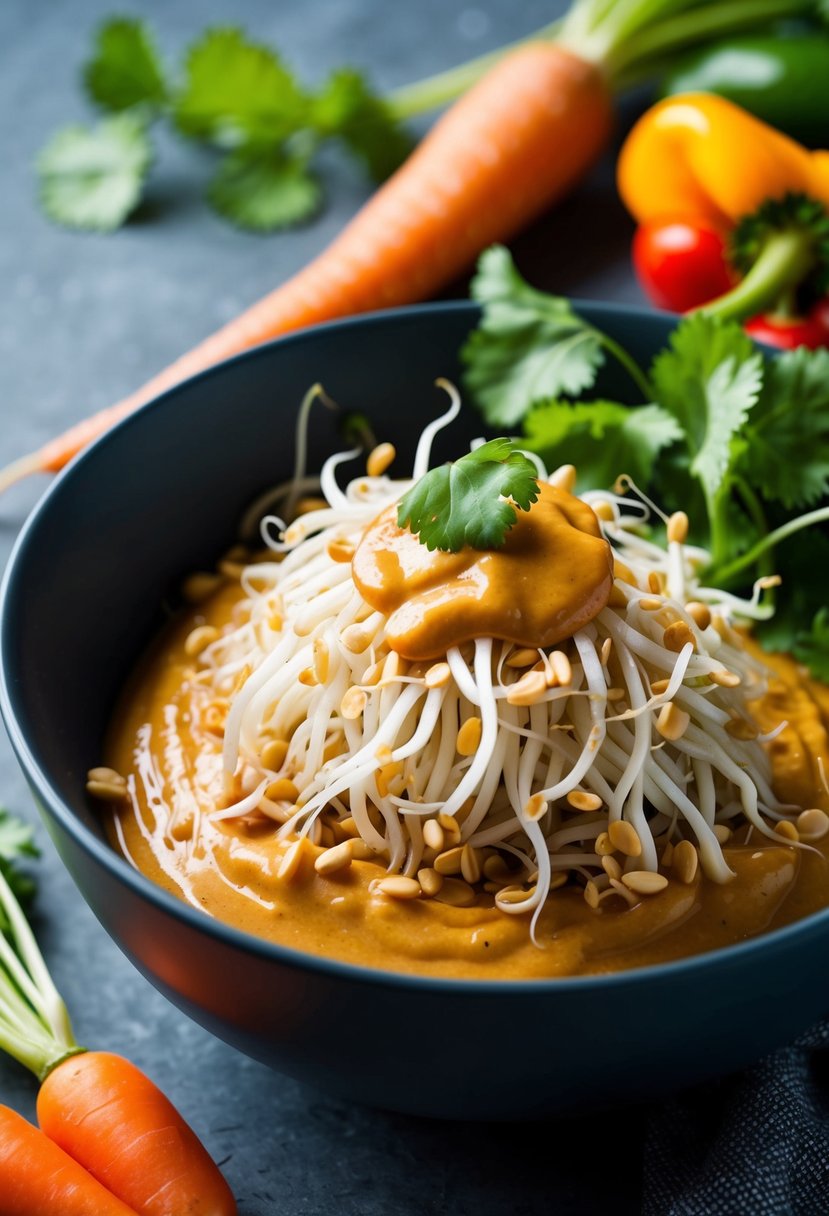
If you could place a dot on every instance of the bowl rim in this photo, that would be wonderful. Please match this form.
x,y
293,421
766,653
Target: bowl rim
x,y
118,868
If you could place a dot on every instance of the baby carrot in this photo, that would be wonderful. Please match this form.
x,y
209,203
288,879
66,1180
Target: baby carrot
x,y
516,142
106,1114
39,1179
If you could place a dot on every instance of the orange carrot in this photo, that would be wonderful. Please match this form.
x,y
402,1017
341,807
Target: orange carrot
x,y
97,1111
107,1115
39,1179
516,142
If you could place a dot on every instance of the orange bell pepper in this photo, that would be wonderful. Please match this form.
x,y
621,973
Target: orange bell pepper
x,y
698,171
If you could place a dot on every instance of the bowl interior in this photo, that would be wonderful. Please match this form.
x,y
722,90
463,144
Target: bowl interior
x,y
99,562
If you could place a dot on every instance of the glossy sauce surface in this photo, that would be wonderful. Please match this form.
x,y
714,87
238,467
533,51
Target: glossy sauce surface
x,y
551,576
163,739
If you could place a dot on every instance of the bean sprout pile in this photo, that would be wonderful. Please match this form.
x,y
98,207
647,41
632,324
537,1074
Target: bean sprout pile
x,y
496,769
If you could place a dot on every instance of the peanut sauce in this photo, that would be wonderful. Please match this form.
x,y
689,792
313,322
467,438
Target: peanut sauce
x,y
552,575
163,738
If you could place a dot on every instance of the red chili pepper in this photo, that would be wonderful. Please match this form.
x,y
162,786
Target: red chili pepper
x,y
681,265
786,333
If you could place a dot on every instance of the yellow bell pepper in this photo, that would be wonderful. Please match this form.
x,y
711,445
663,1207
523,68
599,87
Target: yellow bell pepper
x,y
700,161
700,157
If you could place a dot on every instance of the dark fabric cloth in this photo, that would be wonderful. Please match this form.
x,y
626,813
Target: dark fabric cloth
x,y
756,1144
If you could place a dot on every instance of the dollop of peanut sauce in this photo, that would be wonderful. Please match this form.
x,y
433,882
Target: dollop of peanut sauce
x,y
550,578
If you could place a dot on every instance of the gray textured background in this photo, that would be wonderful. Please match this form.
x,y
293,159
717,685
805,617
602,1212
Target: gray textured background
x,y
84,319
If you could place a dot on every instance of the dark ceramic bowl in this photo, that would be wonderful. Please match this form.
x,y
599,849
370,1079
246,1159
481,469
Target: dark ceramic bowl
x,y
159,496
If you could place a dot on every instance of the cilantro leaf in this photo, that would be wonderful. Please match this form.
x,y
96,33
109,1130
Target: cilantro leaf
x,y
528,345
94,177
708,378
601,438
264,190
786,452
238,92
16,842
125,70
463,503
348,109
812,647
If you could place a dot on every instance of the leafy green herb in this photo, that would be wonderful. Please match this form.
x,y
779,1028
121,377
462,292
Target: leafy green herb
x,y
463,503
125,70
16,843
812,647
234,95
786,449
738,442
237,93
93,177
529,346
601,438
264,190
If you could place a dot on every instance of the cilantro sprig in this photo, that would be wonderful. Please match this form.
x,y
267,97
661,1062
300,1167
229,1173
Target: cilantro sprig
x,y
737,440
472,501
236,97
16,844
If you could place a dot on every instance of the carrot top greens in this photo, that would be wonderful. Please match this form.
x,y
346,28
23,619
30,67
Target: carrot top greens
x,y
738,440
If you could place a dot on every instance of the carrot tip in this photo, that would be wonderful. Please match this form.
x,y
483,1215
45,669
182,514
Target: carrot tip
x,y
18,469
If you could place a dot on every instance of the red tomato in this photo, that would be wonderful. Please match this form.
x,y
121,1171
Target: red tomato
x,y
681,266
811,331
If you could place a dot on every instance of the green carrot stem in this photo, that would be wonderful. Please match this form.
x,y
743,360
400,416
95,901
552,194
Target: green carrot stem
x,y
786,259
445,87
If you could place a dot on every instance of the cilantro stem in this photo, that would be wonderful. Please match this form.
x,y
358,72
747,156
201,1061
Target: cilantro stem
x,y
786,258
628,363
725,573
758,517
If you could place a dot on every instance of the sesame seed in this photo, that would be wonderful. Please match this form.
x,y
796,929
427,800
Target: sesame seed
x,y
340,550
438,675
644,882
581,800
699,613
379,459
528,690
787,830
433,836
397,886
678,528
672,722
449,862
334,859
353,703
469,737
523,657
624,837
812,824
685,861
430,881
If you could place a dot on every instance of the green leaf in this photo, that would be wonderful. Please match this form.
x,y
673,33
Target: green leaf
x,y
812,647
16,842
786,453
237,92
264,191
125,70
800,561
94,177
463,503
601,438
528,347
709,378
348,109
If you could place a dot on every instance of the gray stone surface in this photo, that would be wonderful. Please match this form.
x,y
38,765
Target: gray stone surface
x,y
83,319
